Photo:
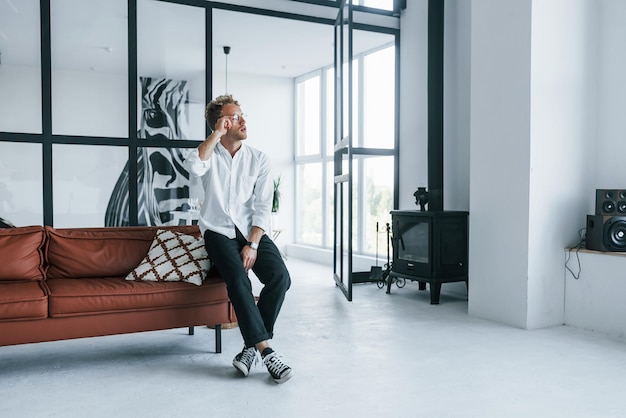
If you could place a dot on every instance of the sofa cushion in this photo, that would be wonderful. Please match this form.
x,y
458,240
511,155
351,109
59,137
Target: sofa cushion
x,y
71,297
22,255
22,300
173,256
100,252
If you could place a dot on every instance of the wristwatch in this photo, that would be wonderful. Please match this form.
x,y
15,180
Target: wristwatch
x,y
253,245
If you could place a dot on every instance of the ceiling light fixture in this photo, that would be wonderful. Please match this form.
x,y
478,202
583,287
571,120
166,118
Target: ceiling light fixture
x,y
226,52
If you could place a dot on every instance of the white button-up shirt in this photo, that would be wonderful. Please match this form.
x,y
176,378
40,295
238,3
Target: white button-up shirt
x,y
238,190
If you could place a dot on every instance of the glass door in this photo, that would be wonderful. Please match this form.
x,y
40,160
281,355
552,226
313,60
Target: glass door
x,y
343,150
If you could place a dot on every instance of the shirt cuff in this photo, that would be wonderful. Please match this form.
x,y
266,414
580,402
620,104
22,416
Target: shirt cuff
x,y
195,164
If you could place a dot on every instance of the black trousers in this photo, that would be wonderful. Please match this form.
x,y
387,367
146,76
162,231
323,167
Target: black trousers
x,y
256,319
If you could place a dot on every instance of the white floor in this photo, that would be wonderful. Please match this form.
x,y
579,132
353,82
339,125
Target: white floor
x,y
378,356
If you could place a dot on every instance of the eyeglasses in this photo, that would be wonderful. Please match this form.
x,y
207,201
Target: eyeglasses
x,y
237,117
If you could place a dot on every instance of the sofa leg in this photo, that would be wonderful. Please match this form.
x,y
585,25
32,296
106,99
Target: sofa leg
x,y
191,330
218,338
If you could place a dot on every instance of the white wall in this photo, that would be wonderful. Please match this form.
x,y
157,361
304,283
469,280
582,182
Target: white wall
x,y
500,151
563,119
532,114
456,135
610,142
541,123
413,101
594,299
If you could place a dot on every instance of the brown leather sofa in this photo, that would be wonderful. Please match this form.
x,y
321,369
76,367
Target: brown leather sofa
x,y
58,284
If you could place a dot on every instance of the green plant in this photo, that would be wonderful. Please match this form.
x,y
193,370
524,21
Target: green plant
x,y
276,198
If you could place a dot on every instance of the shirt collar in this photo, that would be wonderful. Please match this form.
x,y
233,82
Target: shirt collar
x,y
222,149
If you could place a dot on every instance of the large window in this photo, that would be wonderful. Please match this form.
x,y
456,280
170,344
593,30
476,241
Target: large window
x,y
377,4
308,116
387,5
373,127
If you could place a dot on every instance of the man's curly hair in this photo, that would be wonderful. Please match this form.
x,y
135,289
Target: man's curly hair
x,y
213,110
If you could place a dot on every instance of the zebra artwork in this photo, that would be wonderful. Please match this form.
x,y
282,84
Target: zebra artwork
x,y
6,224
162,182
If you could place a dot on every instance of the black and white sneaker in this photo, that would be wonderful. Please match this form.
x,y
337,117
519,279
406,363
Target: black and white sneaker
x,y
246,359
276,366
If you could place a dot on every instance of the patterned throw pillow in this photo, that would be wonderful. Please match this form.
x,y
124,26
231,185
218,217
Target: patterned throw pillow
x,y
173,256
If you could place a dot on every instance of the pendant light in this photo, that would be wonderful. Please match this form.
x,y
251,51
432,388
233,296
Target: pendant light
x,y
226,52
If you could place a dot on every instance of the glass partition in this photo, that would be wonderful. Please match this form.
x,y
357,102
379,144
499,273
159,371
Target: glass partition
x,y
21,193
89,67
84,178
89,72
171,51
20,69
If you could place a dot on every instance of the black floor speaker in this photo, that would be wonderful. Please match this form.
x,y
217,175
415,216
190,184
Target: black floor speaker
x,y
610,202
606,233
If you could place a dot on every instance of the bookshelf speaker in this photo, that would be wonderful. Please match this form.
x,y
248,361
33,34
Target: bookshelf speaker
x,y
606,233
610,202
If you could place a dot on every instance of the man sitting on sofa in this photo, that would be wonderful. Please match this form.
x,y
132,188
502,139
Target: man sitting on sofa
x,y
233,220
